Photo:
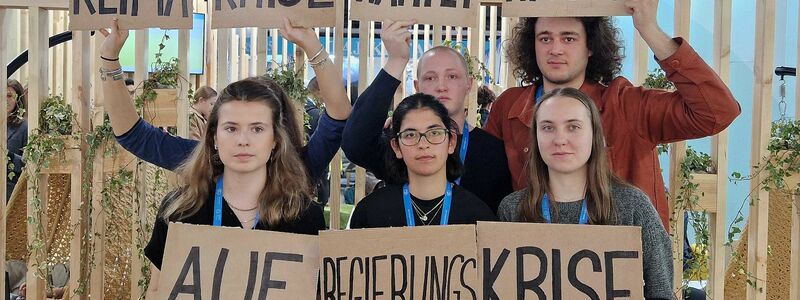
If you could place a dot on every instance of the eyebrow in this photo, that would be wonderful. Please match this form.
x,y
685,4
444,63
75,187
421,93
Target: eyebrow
x,y
561,33
251,124
568,121
429,127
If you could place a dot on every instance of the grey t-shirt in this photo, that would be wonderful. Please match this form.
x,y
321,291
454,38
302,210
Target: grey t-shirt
x,y
631,208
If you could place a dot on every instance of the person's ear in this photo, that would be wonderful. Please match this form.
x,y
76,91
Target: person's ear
x,y
396,149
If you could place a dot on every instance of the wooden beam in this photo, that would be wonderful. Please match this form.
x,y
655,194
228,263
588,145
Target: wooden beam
x,y
5,17
38,23
335,199
677,153
363,31
640,58
261,60
183,96
98,226
140,74
794,285
719,154
757,242
475,47
223,71
80,87
492,44
42,4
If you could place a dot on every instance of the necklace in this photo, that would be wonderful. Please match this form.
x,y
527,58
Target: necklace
x,y
239,209
424,215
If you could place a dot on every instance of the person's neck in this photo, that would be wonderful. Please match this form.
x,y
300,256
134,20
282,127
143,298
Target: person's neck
x,y
243,189
459,119
549,86
428,187
567,187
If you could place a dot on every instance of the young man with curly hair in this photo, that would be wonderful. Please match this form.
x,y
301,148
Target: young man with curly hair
x,y
586,53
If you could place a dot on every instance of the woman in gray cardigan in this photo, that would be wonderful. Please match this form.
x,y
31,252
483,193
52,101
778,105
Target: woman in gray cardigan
x,y
17,133
571,182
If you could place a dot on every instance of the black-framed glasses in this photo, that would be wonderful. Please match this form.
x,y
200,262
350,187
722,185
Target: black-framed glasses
x,y
412,137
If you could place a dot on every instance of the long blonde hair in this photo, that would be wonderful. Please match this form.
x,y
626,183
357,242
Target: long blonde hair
x,y
286,191
599,179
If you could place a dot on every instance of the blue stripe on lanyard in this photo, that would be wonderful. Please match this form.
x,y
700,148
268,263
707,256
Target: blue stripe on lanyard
x,y
218,203
463,153
546,211
448,199
218,206
539,92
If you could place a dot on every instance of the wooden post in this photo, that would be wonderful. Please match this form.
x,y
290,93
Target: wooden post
x,y
223,71
183,93
492,46
509,80
794,289
335,199
475,46
719,154
4,51
262,63
37,93
363,32
97,270
140,74
677,153
640,54
762,116
81,103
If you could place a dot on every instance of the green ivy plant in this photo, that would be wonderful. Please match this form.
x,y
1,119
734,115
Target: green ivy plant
x,y
687,199
782,161
56,123
476,69
166,74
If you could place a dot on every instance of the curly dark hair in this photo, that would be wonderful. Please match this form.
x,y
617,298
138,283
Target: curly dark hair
x,y
603,39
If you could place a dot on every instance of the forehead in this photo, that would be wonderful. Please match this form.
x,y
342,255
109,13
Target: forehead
x,y
440,60
243,112
562,109
558,25
420,119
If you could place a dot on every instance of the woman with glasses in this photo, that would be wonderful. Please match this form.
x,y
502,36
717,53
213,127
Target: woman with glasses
x,y
423,167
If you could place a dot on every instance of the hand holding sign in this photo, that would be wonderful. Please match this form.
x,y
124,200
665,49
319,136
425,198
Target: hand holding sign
x,y
644,13
396,37
302,36
114,41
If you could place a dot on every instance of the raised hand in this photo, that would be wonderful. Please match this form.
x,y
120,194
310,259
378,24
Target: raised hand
x,y
306,38
114,41
396,37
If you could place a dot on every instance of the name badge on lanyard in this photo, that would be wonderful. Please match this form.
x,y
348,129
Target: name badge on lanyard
x,y
463,152
218,205
546,211
448,199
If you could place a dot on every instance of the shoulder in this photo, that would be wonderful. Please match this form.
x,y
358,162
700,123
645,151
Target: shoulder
x,y
485,139
381,196
466,196
510,96
628,195
508,210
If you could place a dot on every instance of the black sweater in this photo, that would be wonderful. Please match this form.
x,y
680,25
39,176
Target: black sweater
x,y
385,208
310,221
486,171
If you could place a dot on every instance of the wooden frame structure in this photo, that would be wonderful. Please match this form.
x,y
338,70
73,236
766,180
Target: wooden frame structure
x,y
68,70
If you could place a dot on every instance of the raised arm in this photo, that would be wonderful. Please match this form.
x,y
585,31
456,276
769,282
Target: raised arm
x,y
337,105
133,133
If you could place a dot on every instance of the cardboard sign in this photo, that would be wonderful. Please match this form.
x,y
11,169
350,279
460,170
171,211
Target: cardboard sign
x,y
563,8
231,263
132,14
270,13
553,261
436,12
430,262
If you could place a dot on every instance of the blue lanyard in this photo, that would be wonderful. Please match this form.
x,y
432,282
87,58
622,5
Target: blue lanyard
x,y
539,92
218,205
463,152
546,211
448,198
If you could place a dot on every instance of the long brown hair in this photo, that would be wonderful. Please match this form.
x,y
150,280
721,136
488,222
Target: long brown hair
x,y
286,191
599,179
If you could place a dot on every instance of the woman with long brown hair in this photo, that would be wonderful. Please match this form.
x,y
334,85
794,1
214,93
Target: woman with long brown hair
x,y
570,182
246,172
